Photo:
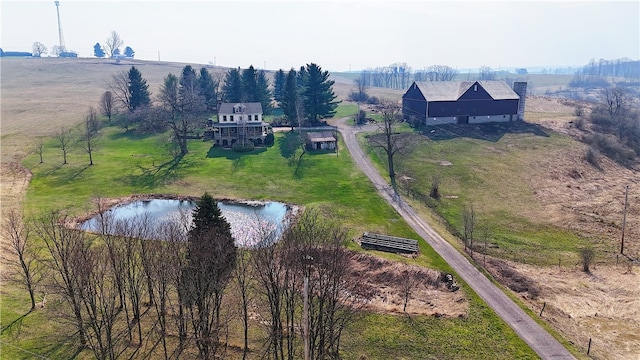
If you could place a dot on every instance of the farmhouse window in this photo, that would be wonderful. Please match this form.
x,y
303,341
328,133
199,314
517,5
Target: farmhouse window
x,y
224,117
231,117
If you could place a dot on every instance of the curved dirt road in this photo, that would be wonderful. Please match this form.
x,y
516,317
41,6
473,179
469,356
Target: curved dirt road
x,y
533,334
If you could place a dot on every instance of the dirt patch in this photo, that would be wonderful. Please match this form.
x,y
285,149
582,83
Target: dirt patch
x,y
603,306
428,295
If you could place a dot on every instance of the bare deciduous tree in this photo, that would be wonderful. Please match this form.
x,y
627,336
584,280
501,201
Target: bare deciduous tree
x,y
616,101
586,255
90,132
113,43
39,148
23,247
441,73
468,224
119,88
409,280
486,73
69,250
64,138
107,105
389,139
39,49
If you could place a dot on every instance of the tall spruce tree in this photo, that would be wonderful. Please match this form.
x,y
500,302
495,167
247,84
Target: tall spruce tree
x,y
318,96
208,89
211,259
263,94
232,88
289,102
249,85
279,81
138,90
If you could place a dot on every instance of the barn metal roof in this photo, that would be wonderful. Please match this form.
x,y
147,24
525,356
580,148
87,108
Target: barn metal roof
x,y
452,90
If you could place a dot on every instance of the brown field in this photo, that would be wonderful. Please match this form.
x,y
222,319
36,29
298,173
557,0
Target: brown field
x,y
38,96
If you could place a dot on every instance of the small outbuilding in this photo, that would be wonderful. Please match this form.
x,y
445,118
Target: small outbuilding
x,y
463,102
321,140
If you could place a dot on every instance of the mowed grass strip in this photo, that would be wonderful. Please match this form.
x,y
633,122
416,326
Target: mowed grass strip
x,y
126,163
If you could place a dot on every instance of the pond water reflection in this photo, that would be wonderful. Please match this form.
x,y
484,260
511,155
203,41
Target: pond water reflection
x,y
249,221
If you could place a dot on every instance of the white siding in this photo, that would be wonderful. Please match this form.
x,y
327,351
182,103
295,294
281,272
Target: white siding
x,y
486,118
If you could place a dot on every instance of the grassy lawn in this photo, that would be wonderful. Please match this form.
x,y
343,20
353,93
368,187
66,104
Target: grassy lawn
x,y
126,163
493,175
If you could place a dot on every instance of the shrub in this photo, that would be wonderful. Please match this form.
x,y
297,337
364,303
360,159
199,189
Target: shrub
x,y
238,147
610,147
586,254
592,156
361,118
269,139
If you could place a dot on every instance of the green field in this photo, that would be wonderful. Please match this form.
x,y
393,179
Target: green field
x,y
129,163
493,175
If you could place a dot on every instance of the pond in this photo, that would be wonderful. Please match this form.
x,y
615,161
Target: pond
x,y
249,221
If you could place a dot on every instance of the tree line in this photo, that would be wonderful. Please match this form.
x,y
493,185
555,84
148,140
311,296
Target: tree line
x,y
119,291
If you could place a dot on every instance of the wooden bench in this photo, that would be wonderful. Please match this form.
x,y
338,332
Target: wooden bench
x,y
388,243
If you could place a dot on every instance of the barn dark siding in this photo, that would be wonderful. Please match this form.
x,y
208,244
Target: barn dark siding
x,y
472,107
476,92
414,106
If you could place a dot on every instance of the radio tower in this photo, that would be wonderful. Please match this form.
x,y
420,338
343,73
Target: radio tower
x,y
62,47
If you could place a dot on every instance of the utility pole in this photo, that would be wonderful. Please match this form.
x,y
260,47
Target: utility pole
x,y
305,318
624,217
61,41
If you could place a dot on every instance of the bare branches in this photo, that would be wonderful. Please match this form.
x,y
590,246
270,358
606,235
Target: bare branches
x,y
389,139
113,43
22,246
64,137
108,104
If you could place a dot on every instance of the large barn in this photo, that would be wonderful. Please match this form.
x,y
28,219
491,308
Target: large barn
x,y
463,102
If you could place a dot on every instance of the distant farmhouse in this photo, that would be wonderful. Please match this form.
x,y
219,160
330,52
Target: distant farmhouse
x,y
463,102
239,122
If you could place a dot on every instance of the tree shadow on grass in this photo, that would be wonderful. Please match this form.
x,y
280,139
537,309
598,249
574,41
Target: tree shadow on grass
x,y
153,176
131,135
219,152
14,326
490,131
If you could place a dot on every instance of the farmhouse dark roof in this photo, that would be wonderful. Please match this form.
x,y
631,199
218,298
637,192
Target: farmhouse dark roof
x,y
452,90
251,108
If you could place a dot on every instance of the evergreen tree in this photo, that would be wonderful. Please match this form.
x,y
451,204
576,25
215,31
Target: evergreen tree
x,y
138,90
318,96
189,86
207,215
263,95
249,85
208,89
279,81
128,52
289,103
232,88
211,258
98,51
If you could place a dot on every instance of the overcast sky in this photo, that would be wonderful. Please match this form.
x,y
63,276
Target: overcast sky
x,y
337,35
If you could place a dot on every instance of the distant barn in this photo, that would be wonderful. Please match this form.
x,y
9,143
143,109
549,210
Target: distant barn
x,y
463,102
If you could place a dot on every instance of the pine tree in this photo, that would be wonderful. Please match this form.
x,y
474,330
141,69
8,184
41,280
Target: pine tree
x,y
263,94
207,215
318,96
232,88
138,90
128,52
279,81
249,85
98,51
208,89
289,103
